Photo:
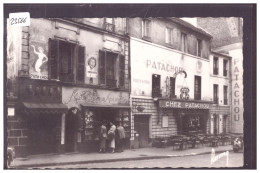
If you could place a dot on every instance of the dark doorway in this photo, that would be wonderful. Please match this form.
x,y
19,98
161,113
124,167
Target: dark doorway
x,y
42,133
71,131
141,126
215,124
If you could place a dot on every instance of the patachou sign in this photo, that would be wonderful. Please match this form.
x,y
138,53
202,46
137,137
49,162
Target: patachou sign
x,y
183,104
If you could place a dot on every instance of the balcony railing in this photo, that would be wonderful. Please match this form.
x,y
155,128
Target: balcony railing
x,y
215,71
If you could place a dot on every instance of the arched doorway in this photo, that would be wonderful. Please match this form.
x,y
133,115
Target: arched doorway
x,y
72,120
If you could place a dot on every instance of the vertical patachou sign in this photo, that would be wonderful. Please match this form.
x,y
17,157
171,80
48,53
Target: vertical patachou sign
x,y
237,91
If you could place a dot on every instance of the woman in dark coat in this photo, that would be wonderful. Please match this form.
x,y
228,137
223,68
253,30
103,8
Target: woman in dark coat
x,y
102,138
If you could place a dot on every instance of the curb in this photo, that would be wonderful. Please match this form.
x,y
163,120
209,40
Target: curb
x,y
113,160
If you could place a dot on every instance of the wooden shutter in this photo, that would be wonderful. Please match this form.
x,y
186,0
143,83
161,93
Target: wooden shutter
x,y
81,64
53,59
121,71
102,67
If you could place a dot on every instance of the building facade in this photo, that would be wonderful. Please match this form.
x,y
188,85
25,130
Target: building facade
x,y
66,77
220,81
170,74
228,39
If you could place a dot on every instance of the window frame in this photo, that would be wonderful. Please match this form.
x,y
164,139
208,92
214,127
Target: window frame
x,y
55,45
199,47
215,93
215,65
225,94
156,88
197,87
118,73
172,87
145,34
168,35
184,44
225,67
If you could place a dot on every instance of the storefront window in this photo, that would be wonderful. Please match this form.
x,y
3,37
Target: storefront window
x,y
192,123
94,117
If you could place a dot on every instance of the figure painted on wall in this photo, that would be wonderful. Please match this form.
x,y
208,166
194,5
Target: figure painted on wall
x,y
42,58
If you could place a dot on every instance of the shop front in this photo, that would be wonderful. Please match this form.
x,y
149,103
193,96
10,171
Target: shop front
x,y
97,106
192,117
41,109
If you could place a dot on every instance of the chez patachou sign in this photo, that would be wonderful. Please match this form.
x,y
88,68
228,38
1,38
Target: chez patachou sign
x,y
183,104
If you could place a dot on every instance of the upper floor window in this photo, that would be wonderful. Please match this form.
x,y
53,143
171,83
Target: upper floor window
x,y
67,61
215,65
225,95
111,73
156,85
215,93
168,36
109,24
199,46
146,28
184,42
172,87
225,67
197,88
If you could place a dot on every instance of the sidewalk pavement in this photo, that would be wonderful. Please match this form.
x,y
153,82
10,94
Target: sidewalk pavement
x,y
129,154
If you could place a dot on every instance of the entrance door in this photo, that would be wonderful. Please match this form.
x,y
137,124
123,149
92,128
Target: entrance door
x,y
42,134
70,132
141,126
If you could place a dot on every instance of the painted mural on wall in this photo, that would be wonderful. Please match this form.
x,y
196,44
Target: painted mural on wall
x,y
74,97
38,49
14,42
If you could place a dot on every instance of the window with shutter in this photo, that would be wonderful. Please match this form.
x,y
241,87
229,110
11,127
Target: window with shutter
x,y
81,64
121,71
197,88
172,87
102,67
53,59
66,56
63,56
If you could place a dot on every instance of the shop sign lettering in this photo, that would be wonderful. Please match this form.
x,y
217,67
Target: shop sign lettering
x,y
178,104
163,66
236,94
92,96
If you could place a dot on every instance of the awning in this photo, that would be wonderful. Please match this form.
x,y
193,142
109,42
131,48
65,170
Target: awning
x,y
106,106
44,108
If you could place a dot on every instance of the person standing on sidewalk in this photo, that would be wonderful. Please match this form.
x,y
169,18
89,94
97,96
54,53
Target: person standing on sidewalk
x,y
121,136
102,138
111,137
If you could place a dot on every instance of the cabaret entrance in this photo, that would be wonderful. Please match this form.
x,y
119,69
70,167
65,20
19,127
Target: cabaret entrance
x,y
191,116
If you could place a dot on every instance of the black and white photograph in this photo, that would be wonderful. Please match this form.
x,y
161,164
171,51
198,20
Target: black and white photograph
x,y
129,86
